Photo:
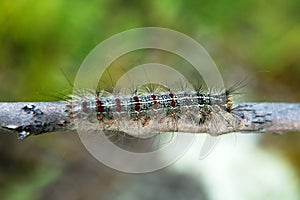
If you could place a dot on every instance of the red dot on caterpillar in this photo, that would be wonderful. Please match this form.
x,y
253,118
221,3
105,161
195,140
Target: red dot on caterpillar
x,y
155,102
99,105
118,101
135,98
84,107
118,104
137,107
84,104
173,103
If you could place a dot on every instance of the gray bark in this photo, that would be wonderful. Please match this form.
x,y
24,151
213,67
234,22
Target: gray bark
x,y
34,118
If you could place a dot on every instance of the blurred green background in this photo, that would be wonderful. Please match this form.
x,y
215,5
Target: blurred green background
x,y
256,40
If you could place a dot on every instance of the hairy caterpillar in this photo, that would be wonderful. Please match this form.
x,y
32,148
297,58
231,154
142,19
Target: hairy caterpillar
x,y
145,114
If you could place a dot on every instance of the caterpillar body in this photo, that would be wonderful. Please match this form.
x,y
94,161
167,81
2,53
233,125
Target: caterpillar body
x,y
146,114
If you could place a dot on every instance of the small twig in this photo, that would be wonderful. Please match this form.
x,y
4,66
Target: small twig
x,y
43,117
34,118
268,117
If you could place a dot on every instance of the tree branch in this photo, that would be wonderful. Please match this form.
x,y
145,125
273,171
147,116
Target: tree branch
x,y
43,117
34,118
268,117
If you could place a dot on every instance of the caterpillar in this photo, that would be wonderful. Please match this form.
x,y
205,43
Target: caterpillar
x,y
143,114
